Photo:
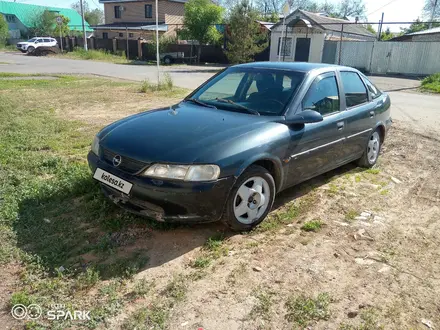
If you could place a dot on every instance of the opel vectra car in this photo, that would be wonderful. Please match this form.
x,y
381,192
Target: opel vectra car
x,y
247,133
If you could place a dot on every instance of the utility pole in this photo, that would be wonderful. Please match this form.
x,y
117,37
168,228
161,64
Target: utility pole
x,y
83,25
432,14
157,42
380,28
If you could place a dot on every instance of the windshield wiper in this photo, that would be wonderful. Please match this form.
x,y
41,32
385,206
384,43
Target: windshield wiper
x,y
252,111
196,101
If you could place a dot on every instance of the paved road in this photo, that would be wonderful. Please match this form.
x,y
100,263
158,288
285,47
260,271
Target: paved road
x,y
422,111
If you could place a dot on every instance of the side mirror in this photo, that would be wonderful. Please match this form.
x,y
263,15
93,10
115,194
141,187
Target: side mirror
x,y
305,117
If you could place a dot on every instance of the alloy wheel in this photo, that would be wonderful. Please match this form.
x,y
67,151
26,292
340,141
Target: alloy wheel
x,y
251,200
373,147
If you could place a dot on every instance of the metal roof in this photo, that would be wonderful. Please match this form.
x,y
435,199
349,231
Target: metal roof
x,y
26,14
331,24
429,31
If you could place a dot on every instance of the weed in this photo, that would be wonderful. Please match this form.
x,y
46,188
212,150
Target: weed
x,y
333,189
167,82
384,192
314,225
146,86
201,262
369,319
236,273
214,245
87,279
97,55
372,171
142,288
351,215
431,83
357,178
176,289
263,306
302,310
22,298
153,317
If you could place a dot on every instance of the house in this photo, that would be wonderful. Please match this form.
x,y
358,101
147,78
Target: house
x,y
304,34
425,35
21,18
133,19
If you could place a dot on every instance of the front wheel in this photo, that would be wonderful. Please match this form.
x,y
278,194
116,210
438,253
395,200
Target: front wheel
x,y
250,199
371,152
30,49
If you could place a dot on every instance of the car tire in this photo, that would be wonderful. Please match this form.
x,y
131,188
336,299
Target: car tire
x,y
30,50
167,60
372,150
256,188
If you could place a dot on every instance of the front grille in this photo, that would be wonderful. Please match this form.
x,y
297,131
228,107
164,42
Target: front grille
x,y
128,165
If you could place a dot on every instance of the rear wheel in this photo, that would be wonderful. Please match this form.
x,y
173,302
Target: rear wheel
x,y
371,152
250,199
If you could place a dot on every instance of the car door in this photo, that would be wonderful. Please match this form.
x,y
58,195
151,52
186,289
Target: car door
x,y
39,42
358,113
316,147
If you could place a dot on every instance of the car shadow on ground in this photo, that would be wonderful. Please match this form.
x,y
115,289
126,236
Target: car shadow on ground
x,y
78,228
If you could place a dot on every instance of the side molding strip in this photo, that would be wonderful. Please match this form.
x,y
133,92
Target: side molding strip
x,y
359,133
316,148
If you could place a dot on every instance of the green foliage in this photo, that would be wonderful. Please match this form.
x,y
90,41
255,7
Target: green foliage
x,y
314,225
432,83
164,42
246,37
370,28
4,34
418,26
97,55
166,84
199,19
302,310
387,35
44,24
145,318
22,298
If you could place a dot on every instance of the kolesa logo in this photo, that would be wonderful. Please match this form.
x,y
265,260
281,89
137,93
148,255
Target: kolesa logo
x,y
55,312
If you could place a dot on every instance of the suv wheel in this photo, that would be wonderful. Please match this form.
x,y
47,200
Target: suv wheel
x,y
30,49
250,199
371,152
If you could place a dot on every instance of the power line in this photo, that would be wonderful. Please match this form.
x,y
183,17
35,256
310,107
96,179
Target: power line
x,y
381,7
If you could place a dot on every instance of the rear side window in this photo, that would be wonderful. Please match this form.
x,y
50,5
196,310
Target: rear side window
x,y
374,91
323,96
47,40
354,88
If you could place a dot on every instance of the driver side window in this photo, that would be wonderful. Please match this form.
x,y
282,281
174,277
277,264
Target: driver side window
x,y
323,96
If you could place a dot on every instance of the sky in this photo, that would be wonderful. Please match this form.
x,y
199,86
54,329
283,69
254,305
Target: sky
x,y
394,10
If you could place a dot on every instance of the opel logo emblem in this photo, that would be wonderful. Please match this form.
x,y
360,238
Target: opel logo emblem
x,y
117,160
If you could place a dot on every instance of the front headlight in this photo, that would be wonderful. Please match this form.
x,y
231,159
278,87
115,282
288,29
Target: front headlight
x,y
95,146
184,172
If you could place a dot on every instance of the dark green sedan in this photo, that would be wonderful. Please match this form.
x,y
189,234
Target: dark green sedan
x,y
249,132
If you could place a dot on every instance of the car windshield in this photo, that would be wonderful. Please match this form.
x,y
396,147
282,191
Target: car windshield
x,y
32,40
251,90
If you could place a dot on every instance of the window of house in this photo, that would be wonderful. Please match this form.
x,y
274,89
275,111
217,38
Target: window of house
x,y
148,11
121,35
354,88
117,11
286,47
104,35
10,18
130,35
323,96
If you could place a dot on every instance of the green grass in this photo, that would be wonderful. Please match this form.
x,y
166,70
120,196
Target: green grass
x,y
350,215
372,171
431,83
303,310
369,321
97,55
165,84
8,48
314,225
145,318
263,306
52,213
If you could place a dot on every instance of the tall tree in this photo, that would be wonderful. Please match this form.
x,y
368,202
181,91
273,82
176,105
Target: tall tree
x,y
44,24
246,37
417,26
199,22
350,8
431,9
92,16
4,33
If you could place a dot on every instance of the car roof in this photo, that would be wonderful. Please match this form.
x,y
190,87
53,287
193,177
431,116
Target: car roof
x,y
292,66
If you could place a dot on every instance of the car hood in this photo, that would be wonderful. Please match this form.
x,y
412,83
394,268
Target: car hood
x,y
180,134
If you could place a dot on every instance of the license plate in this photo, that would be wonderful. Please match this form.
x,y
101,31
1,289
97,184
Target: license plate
x,y
112,181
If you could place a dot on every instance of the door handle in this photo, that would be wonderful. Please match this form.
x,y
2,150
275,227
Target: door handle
x,y
371,114
340,125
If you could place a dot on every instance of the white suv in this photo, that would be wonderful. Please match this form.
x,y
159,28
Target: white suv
x,y
30,45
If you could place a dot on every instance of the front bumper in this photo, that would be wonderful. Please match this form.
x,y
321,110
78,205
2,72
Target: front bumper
x,y
170,201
